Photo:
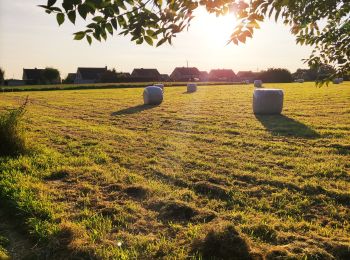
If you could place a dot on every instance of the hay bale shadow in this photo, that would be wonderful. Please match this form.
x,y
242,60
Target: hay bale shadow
x,y
133,110
282,125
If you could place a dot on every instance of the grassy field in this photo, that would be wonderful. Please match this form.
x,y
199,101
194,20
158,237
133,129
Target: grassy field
x,y
98,86
197,177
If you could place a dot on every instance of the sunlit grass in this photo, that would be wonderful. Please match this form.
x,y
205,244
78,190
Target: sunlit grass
x,y
111,178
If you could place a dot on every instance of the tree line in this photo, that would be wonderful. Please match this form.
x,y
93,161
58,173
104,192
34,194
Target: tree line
x,y
271,75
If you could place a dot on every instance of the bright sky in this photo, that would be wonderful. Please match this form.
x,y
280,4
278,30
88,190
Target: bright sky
x,y
31,38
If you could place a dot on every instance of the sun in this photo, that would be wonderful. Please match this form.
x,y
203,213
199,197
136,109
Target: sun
x,y
214,30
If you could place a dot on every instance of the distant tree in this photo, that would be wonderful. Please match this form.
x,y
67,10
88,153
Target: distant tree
x,y
2,76
112,76
322,24
301,74
69,79
51,75
318,73
276,76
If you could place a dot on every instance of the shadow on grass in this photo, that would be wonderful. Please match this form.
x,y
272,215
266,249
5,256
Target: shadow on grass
x,y
133,110
284,126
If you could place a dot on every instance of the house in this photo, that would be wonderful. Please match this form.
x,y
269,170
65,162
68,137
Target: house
x,y
89,75
203,76
185,74
222,75
39,76
145,75
246,76
33,76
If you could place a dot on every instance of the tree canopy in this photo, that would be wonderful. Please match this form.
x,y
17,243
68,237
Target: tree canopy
x,y
2,75
323,24
276,75
50,75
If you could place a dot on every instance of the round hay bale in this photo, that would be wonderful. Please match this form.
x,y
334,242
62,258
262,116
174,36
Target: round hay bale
x,y
152,95
299,80
159,85
267,101
336,81
191,87
258,83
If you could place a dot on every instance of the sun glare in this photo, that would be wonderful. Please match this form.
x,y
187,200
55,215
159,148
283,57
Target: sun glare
x,y
215,31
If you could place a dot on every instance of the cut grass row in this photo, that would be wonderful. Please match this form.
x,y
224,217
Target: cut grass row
x,y
110,178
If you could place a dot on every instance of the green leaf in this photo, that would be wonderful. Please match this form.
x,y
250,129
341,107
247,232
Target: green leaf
x,y
109,28
149,40
114,23
79,35
51,2
72,16
139,41
98,19
60,18
67,5
83,10
161,42
150,33
89,39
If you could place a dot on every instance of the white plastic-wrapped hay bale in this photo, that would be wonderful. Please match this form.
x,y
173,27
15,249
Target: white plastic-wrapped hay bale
x,y
336,80
159,85
258,83
152,95
267,101
299,80
191,87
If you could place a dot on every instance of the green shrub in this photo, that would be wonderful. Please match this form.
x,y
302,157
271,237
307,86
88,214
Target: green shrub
x,y
12,139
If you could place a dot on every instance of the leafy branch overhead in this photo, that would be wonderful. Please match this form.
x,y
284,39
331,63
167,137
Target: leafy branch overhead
x,y
323,24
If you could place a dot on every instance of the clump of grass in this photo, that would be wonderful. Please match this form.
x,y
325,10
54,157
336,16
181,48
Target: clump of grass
x,y
3,244
12,138
225,242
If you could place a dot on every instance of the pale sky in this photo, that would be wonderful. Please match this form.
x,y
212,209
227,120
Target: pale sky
x,y
31,38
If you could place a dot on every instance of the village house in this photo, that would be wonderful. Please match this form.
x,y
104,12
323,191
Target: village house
x,y
32,76
222,75
185,74
89,75
248,76
37,76
145,75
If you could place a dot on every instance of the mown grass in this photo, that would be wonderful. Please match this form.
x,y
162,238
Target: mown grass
x,y
99,86
198,176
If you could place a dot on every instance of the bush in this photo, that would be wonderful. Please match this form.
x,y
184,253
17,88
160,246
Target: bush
x,y
12,139
276,76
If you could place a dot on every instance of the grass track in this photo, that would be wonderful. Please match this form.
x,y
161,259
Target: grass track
x,y
106,170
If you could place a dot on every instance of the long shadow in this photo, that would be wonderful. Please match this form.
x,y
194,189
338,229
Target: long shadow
x,y
133,110
285,126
